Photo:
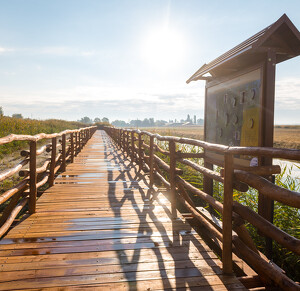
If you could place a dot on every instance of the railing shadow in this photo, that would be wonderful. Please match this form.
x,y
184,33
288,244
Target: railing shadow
x,y
179,236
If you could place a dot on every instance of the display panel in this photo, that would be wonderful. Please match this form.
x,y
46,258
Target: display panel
x,y
233,111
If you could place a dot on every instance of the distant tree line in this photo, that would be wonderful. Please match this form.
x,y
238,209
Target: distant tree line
x,y
88,120
146,122
151,122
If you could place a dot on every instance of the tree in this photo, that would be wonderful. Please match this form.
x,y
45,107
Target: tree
x,y
105,119
151,121
97,119
17,115
1,111
188,119
146,122
86,120
195,119
119,123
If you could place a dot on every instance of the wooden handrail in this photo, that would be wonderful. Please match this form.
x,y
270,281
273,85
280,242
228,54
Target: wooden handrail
x,y
37,177
10,172
233,176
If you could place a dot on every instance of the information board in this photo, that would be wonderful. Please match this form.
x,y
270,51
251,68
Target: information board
x,y
233,110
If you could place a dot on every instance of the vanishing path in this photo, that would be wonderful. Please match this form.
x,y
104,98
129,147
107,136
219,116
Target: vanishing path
x,y
98,228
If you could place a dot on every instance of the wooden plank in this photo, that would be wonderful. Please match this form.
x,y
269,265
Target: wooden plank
x,y
96,229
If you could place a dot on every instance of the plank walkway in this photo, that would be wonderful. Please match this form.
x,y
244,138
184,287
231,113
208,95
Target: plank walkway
x,y
96,228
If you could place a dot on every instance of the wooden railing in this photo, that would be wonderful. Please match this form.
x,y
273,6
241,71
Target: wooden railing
x,y
61,151
141,146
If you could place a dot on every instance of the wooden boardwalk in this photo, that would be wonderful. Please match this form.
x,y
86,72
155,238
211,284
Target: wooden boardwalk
x,y
97,228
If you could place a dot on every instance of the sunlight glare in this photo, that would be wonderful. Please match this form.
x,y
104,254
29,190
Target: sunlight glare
x,y
163,49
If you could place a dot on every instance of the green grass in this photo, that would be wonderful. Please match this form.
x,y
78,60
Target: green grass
x,y
9,125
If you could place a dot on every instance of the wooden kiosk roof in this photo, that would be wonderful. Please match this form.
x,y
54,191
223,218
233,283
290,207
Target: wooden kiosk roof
x,y
282,37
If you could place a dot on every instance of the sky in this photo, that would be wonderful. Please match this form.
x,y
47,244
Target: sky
x,y
128,59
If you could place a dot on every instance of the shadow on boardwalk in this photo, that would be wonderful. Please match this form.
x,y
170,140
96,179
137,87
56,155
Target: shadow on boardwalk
x,y
177,270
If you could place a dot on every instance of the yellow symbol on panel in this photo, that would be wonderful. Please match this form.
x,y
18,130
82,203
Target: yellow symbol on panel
x,y
250,127
251,123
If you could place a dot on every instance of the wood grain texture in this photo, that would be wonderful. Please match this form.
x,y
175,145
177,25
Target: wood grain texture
x,y
96,228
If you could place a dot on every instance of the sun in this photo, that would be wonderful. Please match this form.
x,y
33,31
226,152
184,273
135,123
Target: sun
x,y
163,49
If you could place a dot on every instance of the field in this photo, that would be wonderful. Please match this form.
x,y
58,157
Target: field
x,y
285,136
9,125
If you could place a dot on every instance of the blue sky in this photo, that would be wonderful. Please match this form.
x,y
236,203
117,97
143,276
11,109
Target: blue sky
x,y
128,59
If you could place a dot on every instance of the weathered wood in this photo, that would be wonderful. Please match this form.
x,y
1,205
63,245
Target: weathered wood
x,y
263,267
181,155
172,174
267,228
21,186
227,215
151,161
13,214
204,196
10,172
72,147
96,228
268,189
33,178
63,153
53,162
132,154
15,137
165,166
140,152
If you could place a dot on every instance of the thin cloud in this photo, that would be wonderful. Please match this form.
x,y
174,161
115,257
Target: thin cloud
x,y
287,94
4,50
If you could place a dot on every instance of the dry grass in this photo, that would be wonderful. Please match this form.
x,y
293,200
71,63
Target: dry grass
x,y
284,136
287,137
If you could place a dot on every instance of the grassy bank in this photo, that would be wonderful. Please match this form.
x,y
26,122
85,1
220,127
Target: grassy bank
x,y
9,125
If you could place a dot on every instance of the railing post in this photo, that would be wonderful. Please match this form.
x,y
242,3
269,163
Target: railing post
x,y
52,164
140,152
33,178
76,144
127,143
123,140
79,141
63,153
72,147
132,146
172,149
227,214
151,161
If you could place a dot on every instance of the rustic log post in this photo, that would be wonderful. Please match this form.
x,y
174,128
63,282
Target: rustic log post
x,y
120,138
63,153
33,178
76,144
140,152
132,146
227,214
151,161
72,147
79,141
52,164
172,149
123,141
127,143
